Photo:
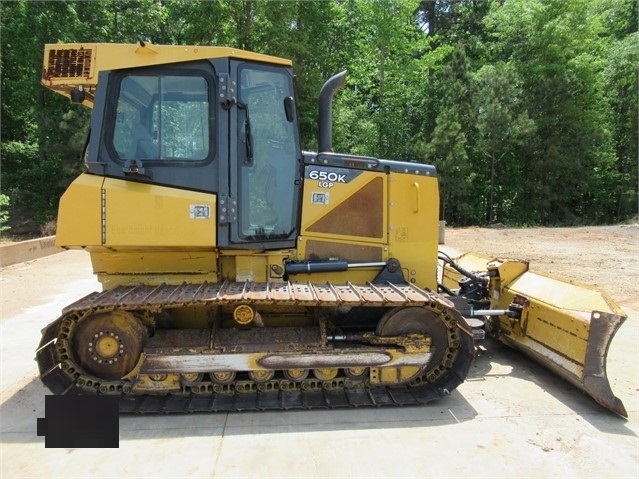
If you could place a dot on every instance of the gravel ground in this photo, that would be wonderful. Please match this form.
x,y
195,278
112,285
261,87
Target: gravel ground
x,y
605,256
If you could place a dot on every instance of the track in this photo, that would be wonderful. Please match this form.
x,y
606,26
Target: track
x,y
60,373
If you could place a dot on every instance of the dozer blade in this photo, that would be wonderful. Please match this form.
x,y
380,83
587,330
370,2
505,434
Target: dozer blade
x,y
564,325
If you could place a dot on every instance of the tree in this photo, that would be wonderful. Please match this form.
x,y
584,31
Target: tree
x,y
42,134
555,47
528,108
621,90
452,142
504,128
5,202
389,58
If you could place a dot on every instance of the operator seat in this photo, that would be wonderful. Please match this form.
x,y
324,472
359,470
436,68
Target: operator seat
x,y
145,146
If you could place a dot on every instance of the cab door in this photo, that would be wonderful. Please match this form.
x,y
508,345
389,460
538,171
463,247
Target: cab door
x,y
265,158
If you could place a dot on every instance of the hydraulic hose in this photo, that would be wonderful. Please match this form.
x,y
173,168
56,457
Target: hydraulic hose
x,y
447,259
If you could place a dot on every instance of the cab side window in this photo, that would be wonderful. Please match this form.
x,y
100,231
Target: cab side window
x,y
163,118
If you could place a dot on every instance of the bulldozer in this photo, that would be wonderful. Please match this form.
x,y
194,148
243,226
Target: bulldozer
x,y
240,272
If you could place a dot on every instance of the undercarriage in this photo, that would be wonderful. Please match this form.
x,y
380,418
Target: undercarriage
x,y
243,345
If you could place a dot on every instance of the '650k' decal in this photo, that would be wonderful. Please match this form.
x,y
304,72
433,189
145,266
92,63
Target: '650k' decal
x,y
329,177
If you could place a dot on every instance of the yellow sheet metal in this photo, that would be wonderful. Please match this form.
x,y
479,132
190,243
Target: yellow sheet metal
x,y
565,325
70,65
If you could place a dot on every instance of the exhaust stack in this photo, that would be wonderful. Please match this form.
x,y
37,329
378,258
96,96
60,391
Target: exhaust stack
x,y
325,131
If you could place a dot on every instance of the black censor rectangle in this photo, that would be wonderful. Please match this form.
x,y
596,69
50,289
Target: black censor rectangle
x,y
80,422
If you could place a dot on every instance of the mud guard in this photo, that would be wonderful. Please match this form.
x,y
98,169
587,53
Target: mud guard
x,y
564,325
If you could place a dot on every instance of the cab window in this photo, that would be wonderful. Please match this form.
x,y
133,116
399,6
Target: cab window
x,y
162,118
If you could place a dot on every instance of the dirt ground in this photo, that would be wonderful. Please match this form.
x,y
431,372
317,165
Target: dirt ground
x,y
605,256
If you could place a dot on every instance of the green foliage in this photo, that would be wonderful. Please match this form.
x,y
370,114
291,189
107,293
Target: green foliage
x,y
504,130
621,91
528,108
556,49
33,183
5,202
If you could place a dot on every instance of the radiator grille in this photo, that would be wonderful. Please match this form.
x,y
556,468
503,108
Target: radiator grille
x,y
69,63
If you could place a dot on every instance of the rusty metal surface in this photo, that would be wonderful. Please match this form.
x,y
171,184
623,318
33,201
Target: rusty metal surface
x,y
603,327
275,339
326,294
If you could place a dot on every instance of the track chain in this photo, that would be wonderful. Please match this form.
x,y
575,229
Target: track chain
x,y
62,376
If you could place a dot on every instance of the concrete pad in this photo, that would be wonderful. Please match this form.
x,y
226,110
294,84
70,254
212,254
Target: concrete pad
x,y
511,418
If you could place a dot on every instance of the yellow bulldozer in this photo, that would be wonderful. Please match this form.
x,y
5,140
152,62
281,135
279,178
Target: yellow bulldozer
x,y
240,272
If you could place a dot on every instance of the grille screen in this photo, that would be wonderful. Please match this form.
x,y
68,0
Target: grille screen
x,y
69,63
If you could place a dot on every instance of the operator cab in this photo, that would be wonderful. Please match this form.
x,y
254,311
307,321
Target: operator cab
x,y
221,126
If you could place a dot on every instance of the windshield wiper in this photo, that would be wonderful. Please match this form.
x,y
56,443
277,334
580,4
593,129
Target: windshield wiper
x,y
248,138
